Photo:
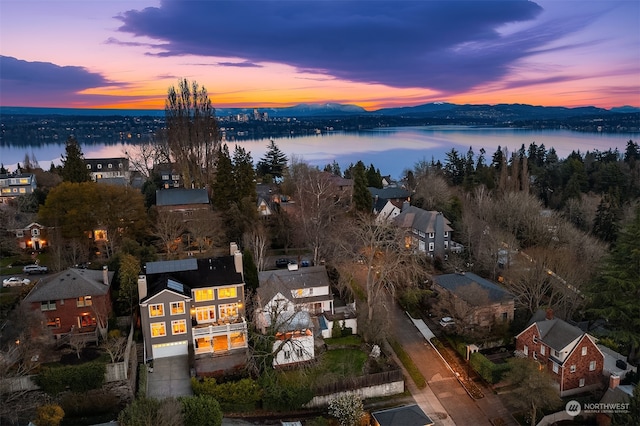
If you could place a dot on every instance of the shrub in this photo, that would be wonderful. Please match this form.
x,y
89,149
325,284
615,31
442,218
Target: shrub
x,y
347,408
489,371
241,395
336,330
142,381
49,415
93,402
145,411
78,378
201,410
284,392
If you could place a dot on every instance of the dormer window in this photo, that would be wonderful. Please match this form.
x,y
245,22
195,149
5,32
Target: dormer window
x,y
110,166
99,166
88,166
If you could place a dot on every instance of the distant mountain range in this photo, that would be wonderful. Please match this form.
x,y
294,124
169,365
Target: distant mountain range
x,y
501,112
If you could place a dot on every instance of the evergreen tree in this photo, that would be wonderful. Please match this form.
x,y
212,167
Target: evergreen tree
x,y
374,178
74,168
223,185
273,164
244,174
361,195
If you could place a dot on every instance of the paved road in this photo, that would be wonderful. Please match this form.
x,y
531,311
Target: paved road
x,y
460,408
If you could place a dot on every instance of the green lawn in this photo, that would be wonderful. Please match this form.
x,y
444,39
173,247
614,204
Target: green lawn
x,y
343,362
352,340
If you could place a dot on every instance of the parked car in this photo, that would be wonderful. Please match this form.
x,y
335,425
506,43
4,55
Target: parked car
x,y
15,282
35,269
305,263
283,263
447,321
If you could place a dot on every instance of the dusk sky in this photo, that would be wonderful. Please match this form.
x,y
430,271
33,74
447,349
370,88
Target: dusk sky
x,y
372,53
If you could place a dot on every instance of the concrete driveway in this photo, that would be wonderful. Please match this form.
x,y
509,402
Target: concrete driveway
x,y
170,378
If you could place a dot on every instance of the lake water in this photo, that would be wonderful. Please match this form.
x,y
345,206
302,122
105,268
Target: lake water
x,y
392,150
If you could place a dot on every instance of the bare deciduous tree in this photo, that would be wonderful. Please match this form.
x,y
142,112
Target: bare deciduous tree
x,y
192,133
257,240
169,228
115,345
204,227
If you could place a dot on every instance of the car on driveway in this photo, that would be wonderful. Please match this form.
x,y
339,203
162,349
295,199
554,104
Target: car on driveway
x,y
447,321
35,269
15,282
283,263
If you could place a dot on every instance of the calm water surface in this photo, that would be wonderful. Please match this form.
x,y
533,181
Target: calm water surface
x,y
391,150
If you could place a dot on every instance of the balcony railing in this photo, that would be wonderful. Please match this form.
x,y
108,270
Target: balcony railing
x,y
218,330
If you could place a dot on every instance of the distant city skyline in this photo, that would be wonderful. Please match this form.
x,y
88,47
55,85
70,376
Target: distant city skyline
x,y
371,53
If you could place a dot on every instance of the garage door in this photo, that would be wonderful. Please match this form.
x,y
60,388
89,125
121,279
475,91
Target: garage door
x,y
170,349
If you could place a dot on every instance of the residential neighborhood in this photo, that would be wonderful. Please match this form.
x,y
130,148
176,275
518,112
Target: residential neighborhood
x,y
276,291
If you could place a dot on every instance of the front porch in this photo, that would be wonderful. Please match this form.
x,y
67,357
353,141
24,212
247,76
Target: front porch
x,y
219,338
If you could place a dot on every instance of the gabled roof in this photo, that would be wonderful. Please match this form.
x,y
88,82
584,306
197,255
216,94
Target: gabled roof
x,y
389,192
555,333
460,282
290,321
70,284
180,196
422,220
191,273
284,281
409,415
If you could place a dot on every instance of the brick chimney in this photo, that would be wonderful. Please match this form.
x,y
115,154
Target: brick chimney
x,y
614,381
549,314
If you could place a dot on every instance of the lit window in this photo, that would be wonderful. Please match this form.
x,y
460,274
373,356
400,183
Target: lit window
x,y
227,293
206,314
229,311
584,350
156,310
158,329
53,323
179,327
206,294
573,368
592,366
177,308
581,384
84,301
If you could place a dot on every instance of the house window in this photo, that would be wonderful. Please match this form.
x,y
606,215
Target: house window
x,y
88,166
227,293
573,368
179,327
228,311
206,314
99,166
526,350
592,366
35,232
431,235
165,177
110,166
584,350
205,294
542,350
287,354
177,308
535,339
20,233
84,301
556,353
555,368
431,246
53,322
446,234
156,310
535,355
48,305
299,352
581,384
505,316
158,329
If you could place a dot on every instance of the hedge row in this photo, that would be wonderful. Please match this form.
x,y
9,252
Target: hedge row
x,y
78,378
489,371
242,395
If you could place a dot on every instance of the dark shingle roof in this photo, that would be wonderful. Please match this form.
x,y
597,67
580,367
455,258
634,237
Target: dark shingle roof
x,y
192,273
409,415
70,284
422,220
555,332
458,283
284,281
389,192
180,196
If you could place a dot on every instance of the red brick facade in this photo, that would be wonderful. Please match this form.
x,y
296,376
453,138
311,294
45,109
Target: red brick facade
x,y
64,315
576,367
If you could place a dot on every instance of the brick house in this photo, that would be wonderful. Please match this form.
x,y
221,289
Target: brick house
x,y
32,236
74,300
473,300
568,354
193,304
